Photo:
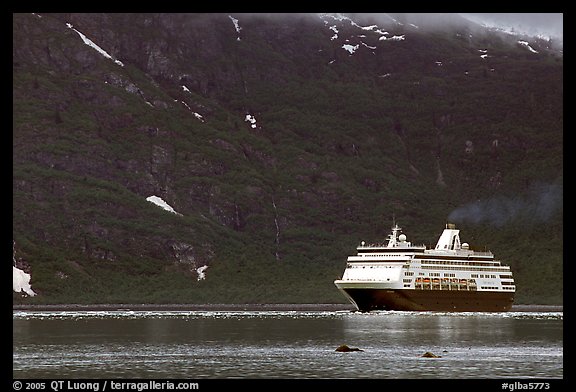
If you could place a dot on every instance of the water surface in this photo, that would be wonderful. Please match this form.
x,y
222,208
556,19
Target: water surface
x,y
286,344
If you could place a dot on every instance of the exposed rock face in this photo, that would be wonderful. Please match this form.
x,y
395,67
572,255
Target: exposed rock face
x,y
184,253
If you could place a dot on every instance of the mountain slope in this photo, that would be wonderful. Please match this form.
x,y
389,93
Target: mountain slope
x,y
280,141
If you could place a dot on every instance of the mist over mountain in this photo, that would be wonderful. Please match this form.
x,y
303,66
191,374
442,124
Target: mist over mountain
x,y
176,158
548,26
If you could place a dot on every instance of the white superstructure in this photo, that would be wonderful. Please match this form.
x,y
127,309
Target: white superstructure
x,y
399,265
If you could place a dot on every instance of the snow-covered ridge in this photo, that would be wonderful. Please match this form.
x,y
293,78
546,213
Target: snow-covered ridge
x,y
518,28
342,18
373,28
90,43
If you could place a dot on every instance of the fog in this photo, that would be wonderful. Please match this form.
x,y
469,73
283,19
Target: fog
x,y
547,25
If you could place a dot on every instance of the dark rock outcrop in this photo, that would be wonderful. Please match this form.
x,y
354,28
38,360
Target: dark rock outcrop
x,y
345,349
428,354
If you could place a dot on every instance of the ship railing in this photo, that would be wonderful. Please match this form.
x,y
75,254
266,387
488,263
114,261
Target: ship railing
x,y
381,246
475,253
444,284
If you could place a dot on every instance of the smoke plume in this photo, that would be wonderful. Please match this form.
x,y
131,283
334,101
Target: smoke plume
x,y
539,205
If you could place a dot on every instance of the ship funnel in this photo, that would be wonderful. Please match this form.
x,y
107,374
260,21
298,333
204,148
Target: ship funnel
x,y
450,238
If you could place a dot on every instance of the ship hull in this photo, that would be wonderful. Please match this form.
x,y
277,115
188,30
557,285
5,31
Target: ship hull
x,y
367,299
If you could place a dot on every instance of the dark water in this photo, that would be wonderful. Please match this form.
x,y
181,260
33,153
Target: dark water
x,y
286,344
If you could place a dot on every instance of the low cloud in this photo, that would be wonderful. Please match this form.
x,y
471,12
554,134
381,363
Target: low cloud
x,y
550,25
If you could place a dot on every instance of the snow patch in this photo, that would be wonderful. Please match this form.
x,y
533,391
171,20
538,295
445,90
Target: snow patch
x,y
161,203
368,46
335,30
197,115
200,272
20,279
90,43
21,282
183,103
236,26
384,35
350,48
251,119
340,18
371,27
526,44
393,38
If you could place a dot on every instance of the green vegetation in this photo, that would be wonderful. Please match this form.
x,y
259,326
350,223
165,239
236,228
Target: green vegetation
x,y
273,211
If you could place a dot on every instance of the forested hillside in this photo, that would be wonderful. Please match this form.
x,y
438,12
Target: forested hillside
x,y
280,142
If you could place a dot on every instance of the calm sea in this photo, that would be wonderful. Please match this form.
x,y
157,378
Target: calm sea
x,y
286,344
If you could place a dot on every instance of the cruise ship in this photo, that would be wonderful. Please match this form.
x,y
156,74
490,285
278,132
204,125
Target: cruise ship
x,y
451,277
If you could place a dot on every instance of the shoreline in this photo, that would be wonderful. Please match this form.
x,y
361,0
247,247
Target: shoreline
x,y
232,307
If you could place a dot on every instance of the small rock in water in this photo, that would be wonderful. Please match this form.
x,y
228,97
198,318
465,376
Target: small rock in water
x,y
345,349
428,354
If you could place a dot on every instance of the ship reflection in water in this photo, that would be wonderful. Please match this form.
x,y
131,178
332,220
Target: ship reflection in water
x,y
286,344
